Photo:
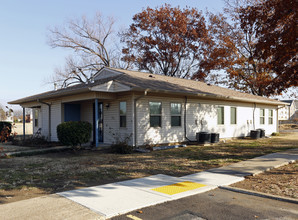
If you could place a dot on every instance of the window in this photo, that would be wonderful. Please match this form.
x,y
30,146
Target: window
x,y
233,115
36,114
270,117
220,115
122,114
262,116
175,114
155,114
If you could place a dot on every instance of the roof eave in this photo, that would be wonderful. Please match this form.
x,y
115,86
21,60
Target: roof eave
x,y
45,97
213,96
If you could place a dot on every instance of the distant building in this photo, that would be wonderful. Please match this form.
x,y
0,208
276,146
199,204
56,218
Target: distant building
x,y
289,112
6,116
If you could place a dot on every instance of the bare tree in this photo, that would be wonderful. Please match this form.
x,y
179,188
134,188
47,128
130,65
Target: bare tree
x,y
90,42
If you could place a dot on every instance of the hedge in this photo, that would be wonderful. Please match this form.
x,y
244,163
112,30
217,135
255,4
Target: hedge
x,y
74,133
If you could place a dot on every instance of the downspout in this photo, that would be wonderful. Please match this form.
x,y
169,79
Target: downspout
x,y
135,117
253,118
49,105
185,136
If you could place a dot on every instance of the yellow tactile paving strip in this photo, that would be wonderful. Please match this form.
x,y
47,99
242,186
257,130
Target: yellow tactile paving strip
x,y
178,187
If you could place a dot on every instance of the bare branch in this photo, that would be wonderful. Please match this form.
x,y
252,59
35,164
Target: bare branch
x,y
89,41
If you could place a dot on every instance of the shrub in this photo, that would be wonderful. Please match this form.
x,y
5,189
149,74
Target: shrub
x,y
122,148
275,134
4,124
120,144
74,133
5,131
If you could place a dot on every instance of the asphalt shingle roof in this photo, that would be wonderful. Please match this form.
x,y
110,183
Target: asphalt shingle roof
x,y
140,81
163,83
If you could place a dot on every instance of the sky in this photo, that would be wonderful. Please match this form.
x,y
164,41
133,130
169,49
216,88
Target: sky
x,y
27,61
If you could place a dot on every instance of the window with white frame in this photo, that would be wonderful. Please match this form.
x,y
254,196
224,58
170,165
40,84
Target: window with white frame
x,y
262,116
270,117
122,107
233,115
220,115
175,114
155,114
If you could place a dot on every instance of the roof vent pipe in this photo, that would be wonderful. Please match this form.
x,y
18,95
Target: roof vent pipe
x,y
55,86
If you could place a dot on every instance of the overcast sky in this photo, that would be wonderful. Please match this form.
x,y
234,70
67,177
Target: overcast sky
x,y
26,61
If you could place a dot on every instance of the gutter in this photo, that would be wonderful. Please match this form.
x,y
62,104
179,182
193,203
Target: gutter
x,y
49,105
49,95
214,96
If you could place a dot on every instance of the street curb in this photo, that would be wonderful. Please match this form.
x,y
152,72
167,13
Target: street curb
x,y
260,194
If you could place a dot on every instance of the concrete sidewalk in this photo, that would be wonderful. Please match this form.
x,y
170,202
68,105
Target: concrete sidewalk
x,y
46,208
110,200
259,164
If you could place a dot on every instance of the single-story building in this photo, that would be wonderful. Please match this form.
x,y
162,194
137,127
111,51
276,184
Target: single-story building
x,y
146,108
288,112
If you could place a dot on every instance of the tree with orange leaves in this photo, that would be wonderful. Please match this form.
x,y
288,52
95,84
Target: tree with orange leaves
x,y
233,52
167,40
243,52
274,23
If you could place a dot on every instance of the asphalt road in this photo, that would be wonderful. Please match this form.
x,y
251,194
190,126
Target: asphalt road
x,y
218,204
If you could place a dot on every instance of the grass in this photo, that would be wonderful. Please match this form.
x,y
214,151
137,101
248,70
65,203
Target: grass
x,y
55,172
281,181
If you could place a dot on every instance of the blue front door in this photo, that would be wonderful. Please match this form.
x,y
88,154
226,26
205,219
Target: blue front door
x,y
72,112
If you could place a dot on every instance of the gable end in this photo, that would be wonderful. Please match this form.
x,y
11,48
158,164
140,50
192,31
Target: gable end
x,y
106,73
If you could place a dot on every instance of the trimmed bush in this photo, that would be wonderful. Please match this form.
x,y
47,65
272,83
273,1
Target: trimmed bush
x,y
74,133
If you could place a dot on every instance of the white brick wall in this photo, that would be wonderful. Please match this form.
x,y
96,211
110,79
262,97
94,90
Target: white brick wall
x,y
56,116
201,116
112,130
